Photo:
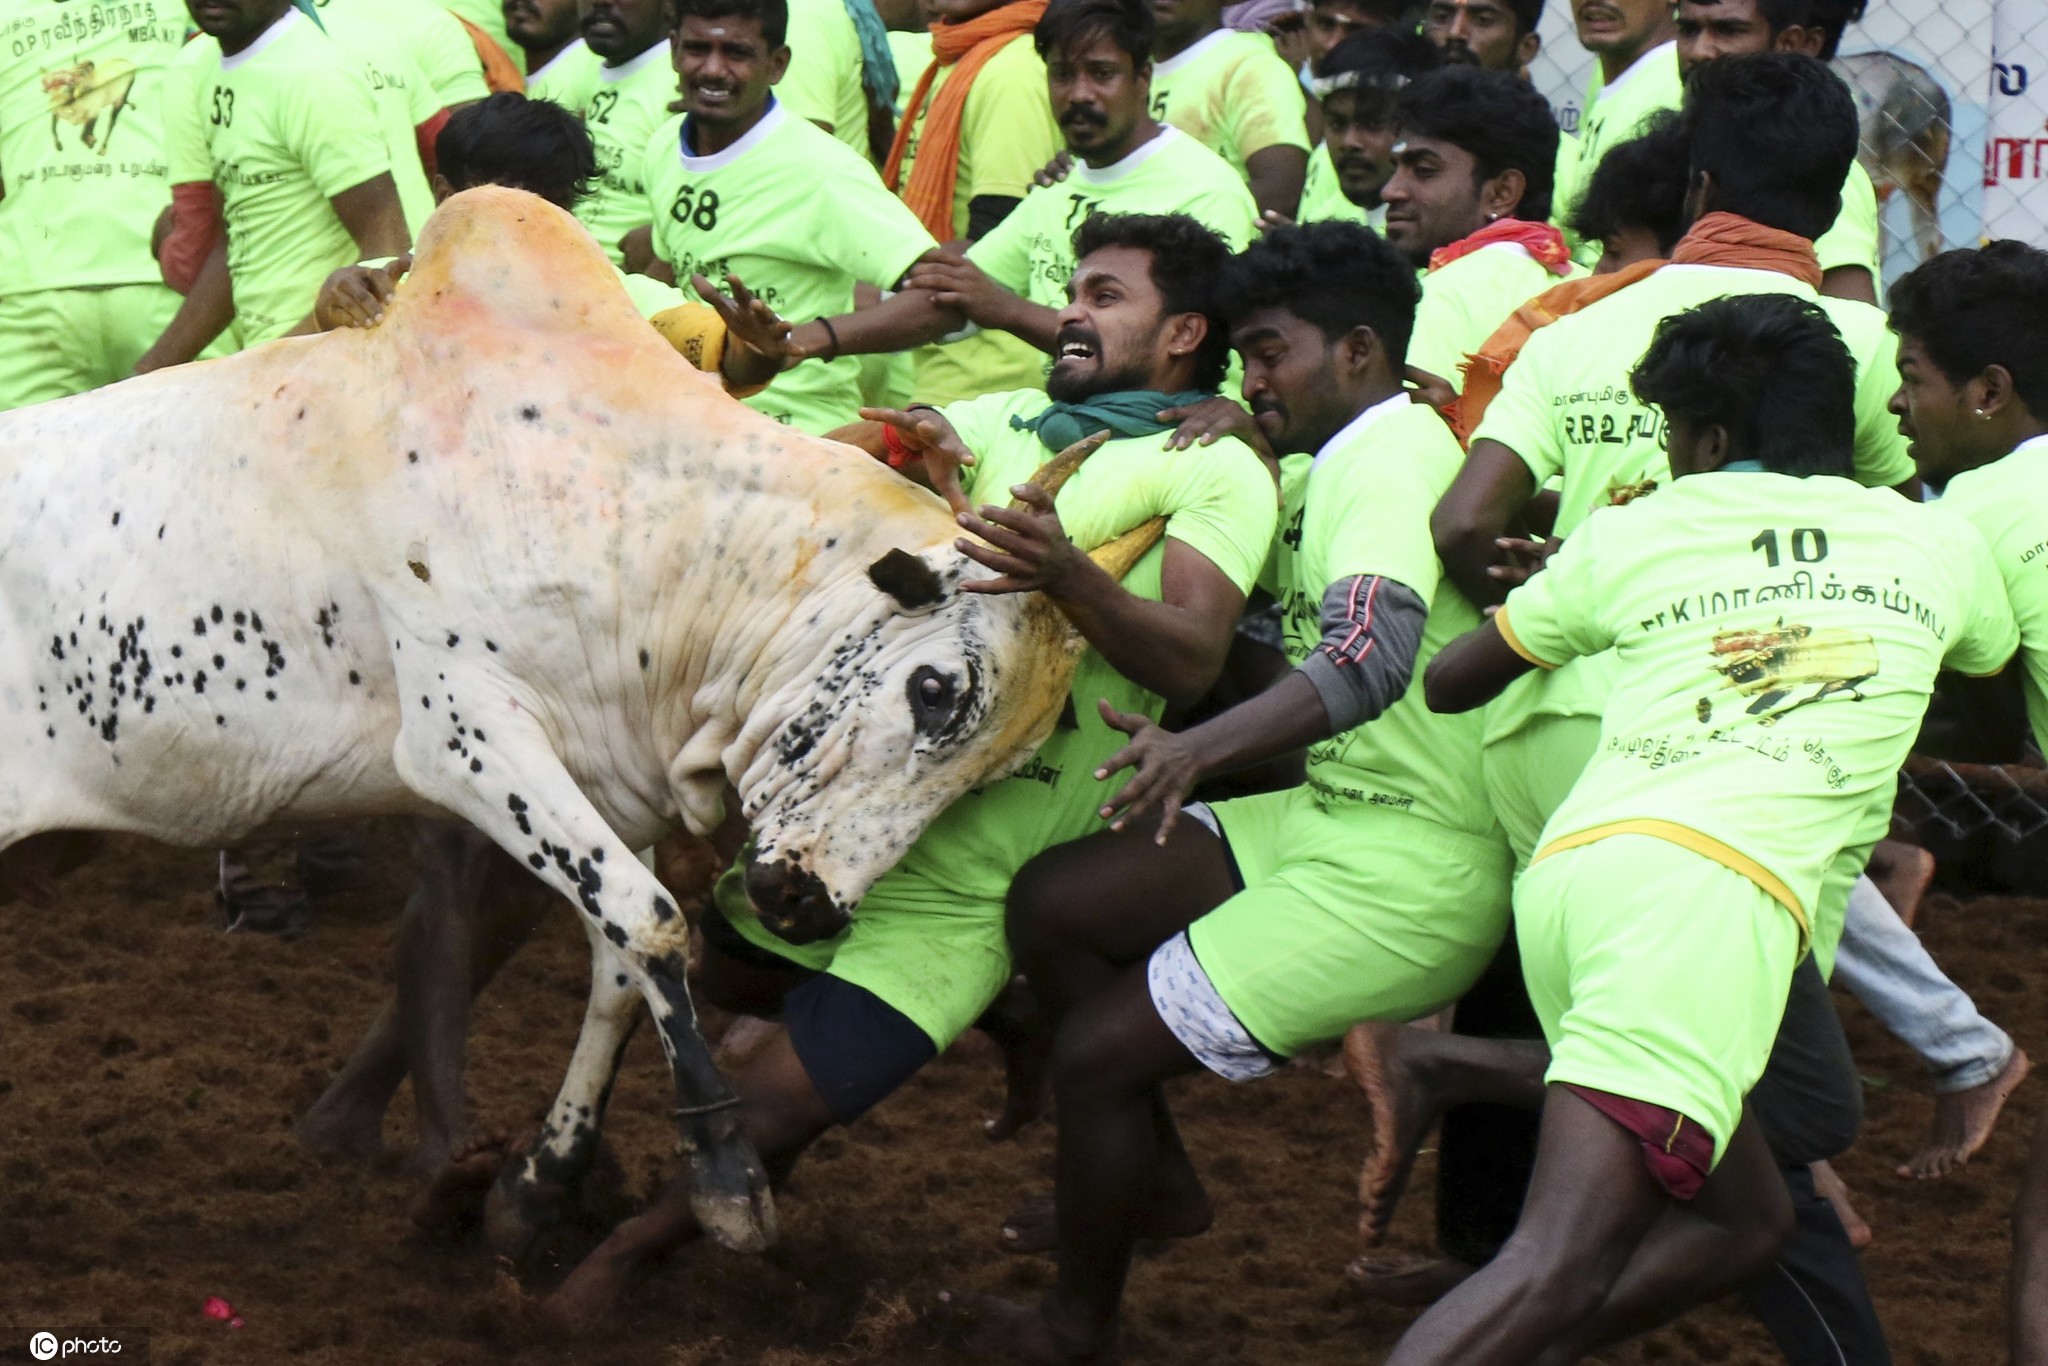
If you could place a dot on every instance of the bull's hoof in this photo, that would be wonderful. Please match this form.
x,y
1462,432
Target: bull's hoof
x,y
731,1198
518,1210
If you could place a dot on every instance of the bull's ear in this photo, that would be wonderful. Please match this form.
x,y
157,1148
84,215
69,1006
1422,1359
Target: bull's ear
x,y
907,578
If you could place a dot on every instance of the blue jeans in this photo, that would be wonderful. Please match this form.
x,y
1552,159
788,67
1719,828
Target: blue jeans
x,y
1883,962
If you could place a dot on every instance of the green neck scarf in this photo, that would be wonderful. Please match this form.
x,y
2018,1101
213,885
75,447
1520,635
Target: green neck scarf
x,y
1128,412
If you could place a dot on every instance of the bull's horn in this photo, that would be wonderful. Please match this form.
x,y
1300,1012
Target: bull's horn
x,y
1116,557
1054,473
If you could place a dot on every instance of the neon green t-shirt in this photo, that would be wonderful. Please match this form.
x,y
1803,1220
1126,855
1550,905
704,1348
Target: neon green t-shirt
x,y
1852,241
1322,196
1217,500
1571,415
1363,509
913,53
1006,136
1032,251
1775,641
489,15
1614,114
1234,94
823,80
289,122
2005,501
83,100
800,218
430,36
1465,300
622,107
567,78
405,94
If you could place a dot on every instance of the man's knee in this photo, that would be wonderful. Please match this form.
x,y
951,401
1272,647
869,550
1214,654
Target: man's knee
x,y
1037,906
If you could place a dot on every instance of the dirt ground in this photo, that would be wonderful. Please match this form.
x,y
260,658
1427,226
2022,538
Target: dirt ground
x,y
151,1069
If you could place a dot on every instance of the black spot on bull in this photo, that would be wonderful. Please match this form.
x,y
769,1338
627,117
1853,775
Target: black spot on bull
x,y
908,579
792,901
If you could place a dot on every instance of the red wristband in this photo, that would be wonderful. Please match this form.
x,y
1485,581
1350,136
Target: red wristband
x,y
898,451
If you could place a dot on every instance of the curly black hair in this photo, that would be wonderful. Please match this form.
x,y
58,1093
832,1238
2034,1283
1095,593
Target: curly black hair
x,y
1769,368
1187,262
1068,24
528,144
1334,274
1777,132
1498,118
1976,308
1640,183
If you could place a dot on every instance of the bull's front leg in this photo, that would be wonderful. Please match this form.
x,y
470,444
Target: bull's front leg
x,y
514,789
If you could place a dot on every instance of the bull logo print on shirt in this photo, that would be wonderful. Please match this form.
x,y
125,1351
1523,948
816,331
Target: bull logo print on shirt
x,y
79,94
1783,668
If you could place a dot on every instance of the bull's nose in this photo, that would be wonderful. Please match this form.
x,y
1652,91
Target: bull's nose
x,y
793,903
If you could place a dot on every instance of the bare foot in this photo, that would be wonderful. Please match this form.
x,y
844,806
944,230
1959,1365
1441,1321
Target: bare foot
x,y
344,1126
1836,1192
991,1329
1406,1280
1963,1120
590,1296
1401,1114
451,1209
1034,1229
1902,872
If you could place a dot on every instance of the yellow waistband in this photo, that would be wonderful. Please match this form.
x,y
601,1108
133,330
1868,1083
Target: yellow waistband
x,y
1706,846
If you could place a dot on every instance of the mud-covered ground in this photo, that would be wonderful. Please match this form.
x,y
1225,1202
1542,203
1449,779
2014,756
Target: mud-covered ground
x,y
151,1070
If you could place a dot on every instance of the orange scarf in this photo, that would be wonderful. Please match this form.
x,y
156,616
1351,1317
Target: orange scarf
x,y
1543,242
1717,239
500,72
1726,239
1482,370
936,173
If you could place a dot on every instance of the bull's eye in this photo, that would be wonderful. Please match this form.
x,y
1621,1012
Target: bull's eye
x,y
932,699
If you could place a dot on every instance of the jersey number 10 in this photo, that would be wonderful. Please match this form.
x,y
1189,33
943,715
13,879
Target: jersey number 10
x,y
1809,545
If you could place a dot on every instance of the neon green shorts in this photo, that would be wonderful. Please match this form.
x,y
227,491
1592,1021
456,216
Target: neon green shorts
x,y
1348,914
58,342
1657,973
1529,772
938,958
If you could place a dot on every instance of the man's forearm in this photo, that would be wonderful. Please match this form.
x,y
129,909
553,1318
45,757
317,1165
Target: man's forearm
x,y
2030,1257
1284,718
1162,648
208,308
898,323
1475,513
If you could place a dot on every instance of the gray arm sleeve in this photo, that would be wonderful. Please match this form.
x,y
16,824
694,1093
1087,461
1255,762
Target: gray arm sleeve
x,y
1372,632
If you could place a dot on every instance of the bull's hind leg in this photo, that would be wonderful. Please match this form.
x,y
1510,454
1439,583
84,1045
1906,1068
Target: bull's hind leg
x,y
514,789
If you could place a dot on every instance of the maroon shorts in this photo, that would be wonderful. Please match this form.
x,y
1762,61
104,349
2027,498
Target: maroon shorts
x,y
1676,1150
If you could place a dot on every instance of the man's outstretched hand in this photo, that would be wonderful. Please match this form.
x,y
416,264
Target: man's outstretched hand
x,y
1167,771
758,330
926,431
1030,547
354,296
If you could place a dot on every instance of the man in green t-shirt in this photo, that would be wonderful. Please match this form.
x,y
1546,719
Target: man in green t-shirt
x,y
1779,631
925,955
1231,936
1097,56
1493,35
1466,205
625,99
1232,93
549,35
740,185
1712,29
1973,398
1356,83
82,110
315,168
1635,75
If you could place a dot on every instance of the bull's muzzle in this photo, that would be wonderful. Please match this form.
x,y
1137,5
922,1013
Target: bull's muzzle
x,y
793,903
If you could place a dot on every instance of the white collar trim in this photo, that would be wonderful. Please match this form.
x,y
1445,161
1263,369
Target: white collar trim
x,y
2033,443
1358,426
627,70
570,50
1663,52
771,119
1169,65
290,19
1138,156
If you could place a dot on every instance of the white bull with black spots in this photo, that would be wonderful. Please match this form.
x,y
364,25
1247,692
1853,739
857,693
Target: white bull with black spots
x,y
505,557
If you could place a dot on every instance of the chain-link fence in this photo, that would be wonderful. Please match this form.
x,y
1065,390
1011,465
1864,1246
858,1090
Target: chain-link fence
x,y
1954,102
1938,797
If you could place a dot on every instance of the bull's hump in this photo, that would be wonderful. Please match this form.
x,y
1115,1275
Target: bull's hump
x,y
509,261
